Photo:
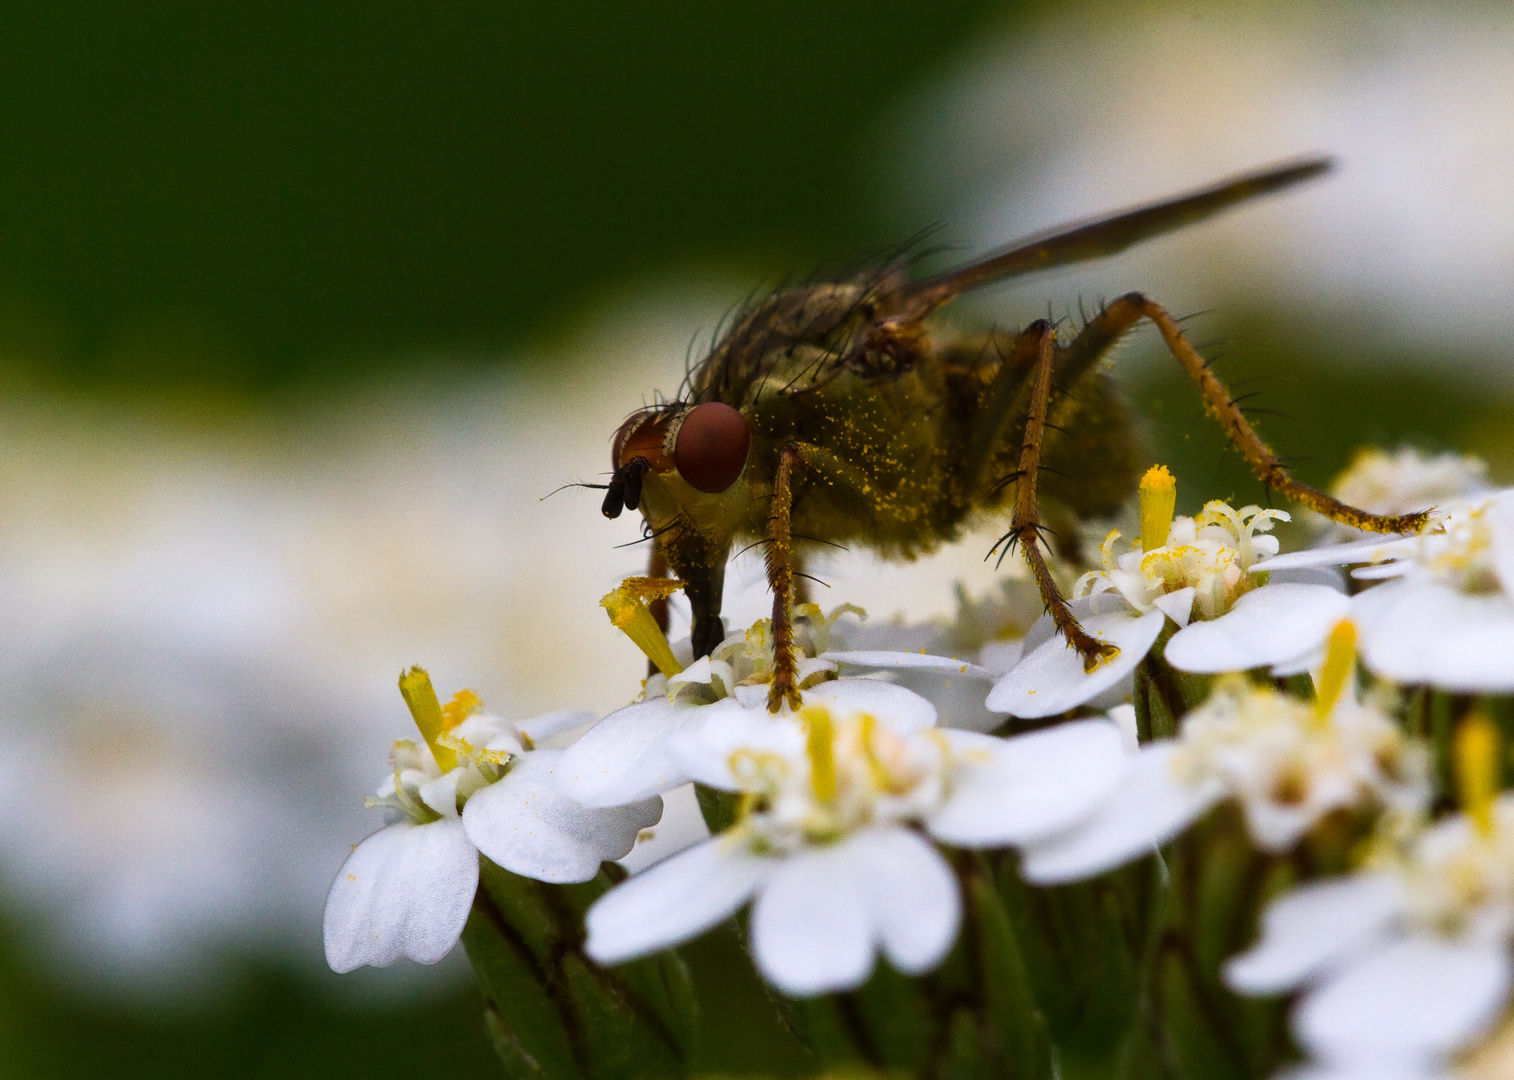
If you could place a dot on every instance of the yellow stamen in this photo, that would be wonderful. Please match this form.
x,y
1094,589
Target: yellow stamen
x,y
881,778
464,704
627,606
1476,755
1159,497
820,745
1340,666
416,689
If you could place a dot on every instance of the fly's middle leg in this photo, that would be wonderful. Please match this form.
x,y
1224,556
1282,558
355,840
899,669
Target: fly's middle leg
x,y
1026,524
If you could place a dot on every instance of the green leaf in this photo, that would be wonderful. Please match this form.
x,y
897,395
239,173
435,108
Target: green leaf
x,y
551,1012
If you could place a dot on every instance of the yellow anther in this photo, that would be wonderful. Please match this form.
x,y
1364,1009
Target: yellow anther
x,y
1339,667
627,606
1159,498
1476,754
820,745
464,704
416,689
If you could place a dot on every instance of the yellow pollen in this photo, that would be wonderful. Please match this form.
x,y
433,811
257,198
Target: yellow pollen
x,y
1476,755
820,745
627,606
416,689
1335,675
464,704
1159,497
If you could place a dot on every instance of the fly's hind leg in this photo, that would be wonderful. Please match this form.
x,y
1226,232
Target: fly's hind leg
x,y
1264,463
1026,524
1130,309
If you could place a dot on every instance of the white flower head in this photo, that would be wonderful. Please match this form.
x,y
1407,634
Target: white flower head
x,y
1444,613
477,784
1410,960
1287,762
828,838
1212,554
627,756
1181,569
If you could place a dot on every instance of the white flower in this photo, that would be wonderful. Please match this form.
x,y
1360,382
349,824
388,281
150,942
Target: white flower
x,y
826,842
628,755
1403,964
1286,761
407,889
987,631
1180,569
1444,615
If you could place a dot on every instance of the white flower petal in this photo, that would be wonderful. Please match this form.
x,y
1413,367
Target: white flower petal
x,y
894,707
912,897
441,794
1177,606
1145,810
812,665
404,891
1271,625
1051,680
705,671
673,901
883,658
544,726
625,757
681,826
998,657
1124,718
751,696
704,752
1375,549
816,924
1313,927
1413,1002
1328,576
1500,515
1424,632
525,824
810,926
1028,787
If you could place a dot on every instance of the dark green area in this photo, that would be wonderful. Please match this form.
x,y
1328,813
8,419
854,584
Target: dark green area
x,y
241,193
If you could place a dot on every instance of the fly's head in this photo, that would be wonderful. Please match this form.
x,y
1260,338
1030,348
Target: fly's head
x,y
683,467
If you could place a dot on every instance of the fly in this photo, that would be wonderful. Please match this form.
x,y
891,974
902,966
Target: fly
x,y
844,413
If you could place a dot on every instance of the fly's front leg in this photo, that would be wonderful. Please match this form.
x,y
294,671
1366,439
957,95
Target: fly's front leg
x,y
1025,527
1219,404
780,567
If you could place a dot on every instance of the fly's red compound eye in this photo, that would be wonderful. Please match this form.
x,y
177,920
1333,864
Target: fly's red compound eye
x,y
712,446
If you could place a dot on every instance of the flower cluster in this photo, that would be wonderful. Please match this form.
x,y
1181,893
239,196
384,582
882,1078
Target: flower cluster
x,y
1316,717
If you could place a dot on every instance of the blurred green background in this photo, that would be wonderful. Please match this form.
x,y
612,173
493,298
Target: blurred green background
x,y
262,204
246,194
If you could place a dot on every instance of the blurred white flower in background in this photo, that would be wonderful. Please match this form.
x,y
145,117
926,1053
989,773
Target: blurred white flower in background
x,y
1099,106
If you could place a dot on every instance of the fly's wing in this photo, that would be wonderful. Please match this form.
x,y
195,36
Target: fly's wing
x,y
1105,236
